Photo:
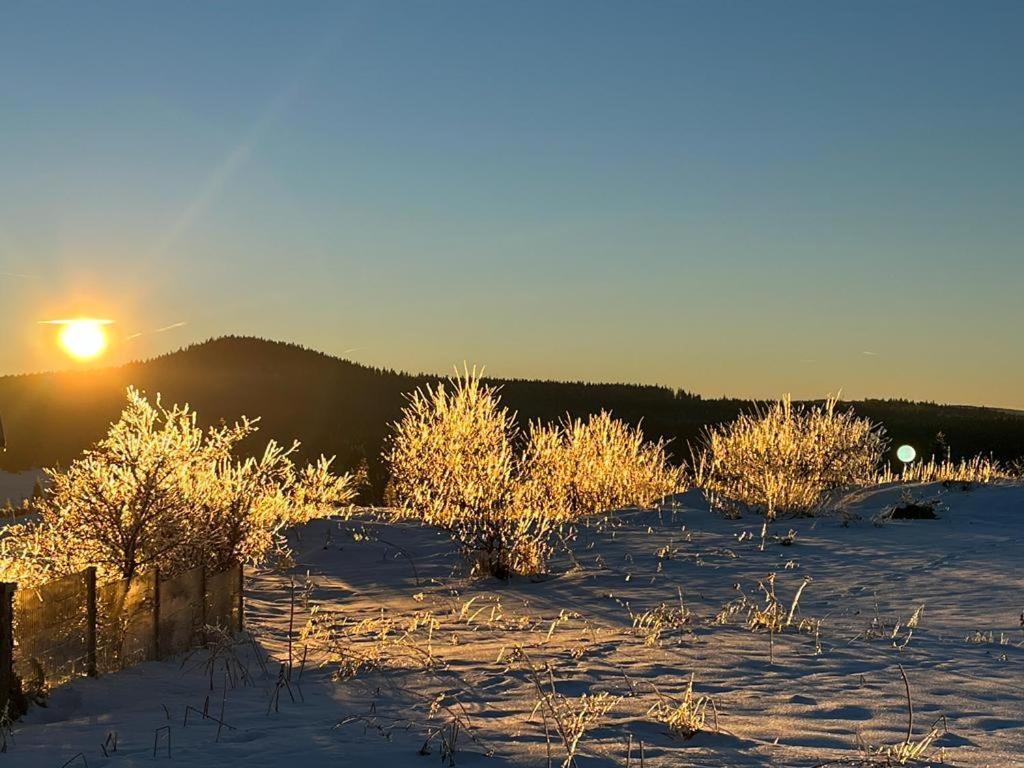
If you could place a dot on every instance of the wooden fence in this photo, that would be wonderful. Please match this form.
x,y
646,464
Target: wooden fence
x,y
74,626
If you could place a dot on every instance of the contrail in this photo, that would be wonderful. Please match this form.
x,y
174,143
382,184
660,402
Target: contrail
x,y
170,327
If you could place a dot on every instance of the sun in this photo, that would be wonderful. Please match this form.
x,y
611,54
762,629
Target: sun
x,y
83,338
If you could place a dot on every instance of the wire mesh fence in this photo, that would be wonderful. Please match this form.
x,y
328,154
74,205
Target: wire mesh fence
x,y
182,612
72,626
224,598
50,636
125,612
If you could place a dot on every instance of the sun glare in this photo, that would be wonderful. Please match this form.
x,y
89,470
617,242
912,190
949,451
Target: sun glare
x,y
83,338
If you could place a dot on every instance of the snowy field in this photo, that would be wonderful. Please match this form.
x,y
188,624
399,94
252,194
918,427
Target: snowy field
x,y
410,650
15,486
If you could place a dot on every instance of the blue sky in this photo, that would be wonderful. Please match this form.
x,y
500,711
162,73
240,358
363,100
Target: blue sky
x,y
734,198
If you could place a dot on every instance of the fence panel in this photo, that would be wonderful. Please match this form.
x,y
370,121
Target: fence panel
x,y
182,609
125,623
72,626
51,631
224,599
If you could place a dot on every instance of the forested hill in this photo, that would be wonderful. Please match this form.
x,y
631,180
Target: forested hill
x,y
338,407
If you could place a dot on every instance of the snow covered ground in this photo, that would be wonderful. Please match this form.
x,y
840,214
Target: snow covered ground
x,y
15,486
473,652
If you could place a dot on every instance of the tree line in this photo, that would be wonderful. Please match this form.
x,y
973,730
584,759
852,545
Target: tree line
x,y
337,407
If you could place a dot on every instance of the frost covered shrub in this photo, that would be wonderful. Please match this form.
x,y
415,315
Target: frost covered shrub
x,y
579,468
159,491
784,457
451,454
243,507
454,464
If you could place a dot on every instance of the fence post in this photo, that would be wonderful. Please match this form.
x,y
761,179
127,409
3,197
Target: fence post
x,y
156,614
6,644
90,621
241,598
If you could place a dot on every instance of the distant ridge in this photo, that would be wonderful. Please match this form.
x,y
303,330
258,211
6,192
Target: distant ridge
x,y
339,407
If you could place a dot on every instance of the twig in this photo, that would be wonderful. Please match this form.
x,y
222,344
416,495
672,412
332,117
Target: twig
x,y
223,706
156,739
220,722
910,704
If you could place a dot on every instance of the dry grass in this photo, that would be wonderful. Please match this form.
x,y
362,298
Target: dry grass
x,y
911,750
382,641
977,469
652,625
773,616
898,632
575,716
685,717
571,716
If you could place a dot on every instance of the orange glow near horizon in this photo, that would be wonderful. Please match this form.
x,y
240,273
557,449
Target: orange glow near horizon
x,y
82,338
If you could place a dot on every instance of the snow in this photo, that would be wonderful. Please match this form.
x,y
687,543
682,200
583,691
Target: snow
x,y
964,661
16,486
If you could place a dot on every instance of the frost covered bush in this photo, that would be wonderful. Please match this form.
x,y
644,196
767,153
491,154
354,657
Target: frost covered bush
x,y
243,507
784,457
160,491
579,468
454,463
451,454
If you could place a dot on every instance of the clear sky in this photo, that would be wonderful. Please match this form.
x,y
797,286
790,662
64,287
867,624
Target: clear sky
x,y
743,198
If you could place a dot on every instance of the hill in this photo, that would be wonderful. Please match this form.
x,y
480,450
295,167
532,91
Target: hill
x,y
339,407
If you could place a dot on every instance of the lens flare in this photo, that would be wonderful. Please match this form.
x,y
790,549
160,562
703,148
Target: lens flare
x,y
906,453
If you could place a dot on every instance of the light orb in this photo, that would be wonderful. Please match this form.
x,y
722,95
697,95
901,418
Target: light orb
x,y
906,453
